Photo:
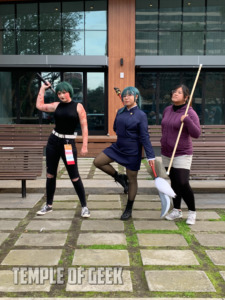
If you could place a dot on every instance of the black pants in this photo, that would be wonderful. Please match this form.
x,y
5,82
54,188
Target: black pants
x,y
55,151
180,184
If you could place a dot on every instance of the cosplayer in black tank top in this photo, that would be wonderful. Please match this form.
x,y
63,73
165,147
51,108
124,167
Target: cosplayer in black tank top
x,y
66,118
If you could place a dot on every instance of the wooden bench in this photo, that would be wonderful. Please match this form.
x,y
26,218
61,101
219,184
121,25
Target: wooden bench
x,y
209,151
21,163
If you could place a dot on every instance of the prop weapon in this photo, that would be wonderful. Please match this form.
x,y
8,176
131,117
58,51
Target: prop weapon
x,y
118,92
42,79
182,124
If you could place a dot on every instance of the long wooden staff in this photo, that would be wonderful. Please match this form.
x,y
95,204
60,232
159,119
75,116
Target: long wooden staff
x,y
182,124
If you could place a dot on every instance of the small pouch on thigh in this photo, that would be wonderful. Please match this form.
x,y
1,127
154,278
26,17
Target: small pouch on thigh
x,y
69,154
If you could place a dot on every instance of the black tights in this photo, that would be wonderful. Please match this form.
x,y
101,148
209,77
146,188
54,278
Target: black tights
x,y
180,184
102,162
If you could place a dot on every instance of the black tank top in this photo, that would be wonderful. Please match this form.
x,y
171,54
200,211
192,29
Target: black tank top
x,y
66,118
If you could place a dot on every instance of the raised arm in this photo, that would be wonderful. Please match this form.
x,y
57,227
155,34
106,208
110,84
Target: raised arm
x,y
40,102
84,127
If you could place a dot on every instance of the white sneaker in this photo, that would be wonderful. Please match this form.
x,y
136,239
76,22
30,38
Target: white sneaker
x,y
174,214
85,213
191,217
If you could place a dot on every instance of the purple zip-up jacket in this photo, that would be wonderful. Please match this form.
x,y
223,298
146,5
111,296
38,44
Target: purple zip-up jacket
x,y
170,127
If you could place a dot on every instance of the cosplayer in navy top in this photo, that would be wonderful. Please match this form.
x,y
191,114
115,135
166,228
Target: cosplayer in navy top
x,y
131,127
173,115
61,143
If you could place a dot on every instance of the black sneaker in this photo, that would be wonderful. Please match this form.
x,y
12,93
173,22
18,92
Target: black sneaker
x,y
126,214
46,209
123,180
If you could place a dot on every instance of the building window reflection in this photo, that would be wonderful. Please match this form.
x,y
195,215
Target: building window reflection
x,y
155,88
180,27
54,28
19,90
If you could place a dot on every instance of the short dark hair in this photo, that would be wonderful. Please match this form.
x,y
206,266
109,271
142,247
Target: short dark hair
x,y
185,89
64,86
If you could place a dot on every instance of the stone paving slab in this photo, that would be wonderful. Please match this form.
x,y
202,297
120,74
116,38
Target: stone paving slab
x,y
101,239
8,224
106,214
13,214
104,204
222,273
66,198
146,205
3,236
209,226
102,225
204,215
13,201
157,240
88,286
102,177
64,205
145,214
147,198
211,239
217,256
168,257
58,214
211,201
98,197
41,239
178,281
154,225
7,285
44,225
32,257
101,257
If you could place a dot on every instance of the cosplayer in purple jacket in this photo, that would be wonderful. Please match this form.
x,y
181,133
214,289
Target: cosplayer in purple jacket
x,y
171,123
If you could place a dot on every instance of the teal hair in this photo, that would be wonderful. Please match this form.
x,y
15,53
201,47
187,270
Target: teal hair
x,y
64,86
131,90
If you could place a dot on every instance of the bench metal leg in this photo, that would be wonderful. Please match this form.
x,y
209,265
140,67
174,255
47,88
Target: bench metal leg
x,y
23,188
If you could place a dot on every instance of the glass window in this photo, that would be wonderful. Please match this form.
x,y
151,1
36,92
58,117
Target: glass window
x,y
169,43
95,43
73,43
146,84
73,15
215,43
50,17
27,42
194,15
6,101
215,15
146,15
50,96
193,43
27,16
50,42
76,80
96,101
146,43
214,99
95,15
7,16
170,15
8,42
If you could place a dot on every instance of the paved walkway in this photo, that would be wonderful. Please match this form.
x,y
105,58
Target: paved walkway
x,y
62,255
